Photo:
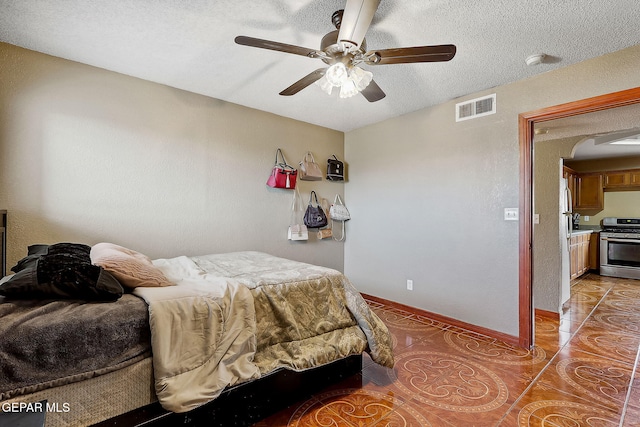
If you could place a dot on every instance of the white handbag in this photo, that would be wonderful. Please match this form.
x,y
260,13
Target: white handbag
x,y
297,229
338,210
298,232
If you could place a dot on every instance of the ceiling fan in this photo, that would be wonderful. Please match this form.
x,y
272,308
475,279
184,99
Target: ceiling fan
x,y
345,49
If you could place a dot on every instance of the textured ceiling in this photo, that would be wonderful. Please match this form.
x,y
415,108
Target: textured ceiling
x,y
190,45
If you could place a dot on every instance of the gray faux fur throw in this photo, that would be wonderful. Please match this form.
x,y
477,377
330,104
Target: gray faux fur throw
x,y
46,343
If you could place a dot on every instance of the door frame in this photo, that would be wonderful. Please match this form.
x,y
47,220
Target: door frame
x,y
526,122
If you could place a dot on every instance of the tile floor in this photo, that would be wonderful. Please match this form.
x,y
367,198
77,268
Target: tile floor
x,y
582,372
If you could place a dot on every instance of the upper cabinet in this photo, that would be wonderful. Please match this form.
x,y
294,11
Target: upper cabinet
x,y
622,180
587,188
589,191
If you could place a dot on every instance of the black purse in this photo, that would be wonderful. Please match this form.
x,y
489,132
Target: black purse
x,y
314,216
335,169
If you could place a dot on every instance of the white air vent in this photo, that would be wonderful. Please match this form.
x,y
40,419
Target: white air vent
x,y
476,108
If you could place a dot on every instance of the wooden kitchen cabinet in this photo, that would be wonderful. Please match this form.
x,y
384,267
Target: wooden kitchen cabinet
x,y
616,179
621,180
579,254
589,191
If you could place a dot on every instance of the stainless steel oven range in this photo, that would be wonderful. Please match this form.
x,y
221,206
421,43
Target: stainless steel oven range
x,y
620,247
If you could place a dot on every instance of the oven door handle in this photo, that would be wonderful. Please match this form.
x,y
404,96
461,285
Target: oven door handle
x,y
609,239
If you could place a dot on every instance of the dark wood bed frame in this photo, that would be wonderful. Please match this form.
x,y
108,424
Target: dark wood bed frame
x,y
247,403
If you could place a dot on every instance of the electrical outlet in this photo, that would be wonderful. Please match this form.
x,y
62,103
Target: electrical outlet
x,y
409,285
586,217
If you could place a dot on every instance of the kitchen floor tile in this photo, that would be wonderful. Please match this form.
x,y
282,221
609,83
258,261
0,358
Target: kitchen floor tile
x,y
600,341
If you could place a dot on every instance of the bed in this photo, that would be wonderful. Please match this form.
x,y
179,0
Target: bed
x,y
219,325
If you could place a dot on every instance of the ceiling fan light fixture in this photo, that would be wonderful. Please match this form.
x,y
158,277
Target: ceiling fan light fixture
x,y
325,85
337,74
361,78
345,48
350,81
348,89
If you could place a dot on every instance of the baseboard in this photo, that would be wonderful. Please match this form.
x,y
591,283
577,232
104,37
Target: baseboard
x,y
547,314
508,339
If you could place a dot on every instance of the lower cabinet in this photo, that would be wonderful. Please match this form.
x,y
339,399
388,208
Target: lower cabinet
x,y
579,254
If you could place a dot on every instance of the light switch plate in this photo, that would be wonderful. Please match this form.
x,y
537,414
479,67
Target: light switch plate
x,y
510,214
536,218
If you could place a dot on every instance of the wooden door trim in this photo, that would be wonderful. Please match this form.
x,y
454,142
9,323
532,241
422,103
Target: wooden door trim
x,y
526,122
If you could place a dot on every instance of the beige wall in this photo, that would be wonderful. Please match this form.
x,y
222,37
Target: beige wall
x,y
547,236
428,196
624,204
88,155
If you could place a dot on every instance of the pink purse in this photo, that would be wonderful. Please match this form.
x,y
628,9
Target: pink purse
x,y
309,169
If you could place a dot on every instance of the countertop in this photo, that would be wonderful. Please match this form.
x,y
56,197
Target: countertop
x,y
583,229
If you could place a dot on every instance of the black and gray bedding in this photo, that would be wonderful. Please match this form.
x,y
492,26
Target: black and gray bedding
x,y
65,320
63,270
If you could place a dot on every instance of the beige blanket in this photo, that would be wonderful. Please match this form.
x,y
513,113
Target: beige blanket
x,y
307,315
202,335
233,317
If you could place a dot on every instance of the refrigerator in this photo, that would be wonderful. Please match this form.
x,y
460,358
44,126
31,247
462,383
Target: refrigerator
x,y
566,228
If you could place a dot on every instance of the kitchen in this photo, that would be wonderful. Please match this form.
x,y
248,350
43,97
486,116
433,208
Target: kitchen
x,y
603,181
603,221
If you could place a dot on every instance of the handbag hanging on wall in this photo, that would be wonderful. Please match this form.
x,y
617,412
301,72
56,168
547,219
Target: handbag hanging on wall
x,y
339,212
297,230
335,169
282,174
314,216
325,233
309,169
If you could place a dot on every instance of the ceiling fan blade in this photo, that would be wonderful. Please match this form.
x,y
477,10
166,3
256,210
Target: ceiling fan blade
x,y
281,47
356,19
373,92
304,82
405,55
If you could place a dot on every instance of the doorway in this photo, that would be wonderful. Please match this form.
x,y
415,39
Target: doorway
x,y
526,123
